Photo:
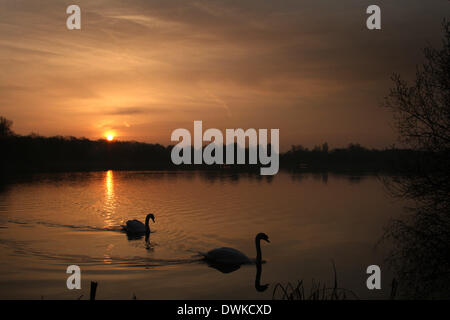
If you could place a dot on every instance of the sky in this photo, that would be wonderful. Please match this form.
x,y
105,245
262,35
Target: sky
x,y
142,68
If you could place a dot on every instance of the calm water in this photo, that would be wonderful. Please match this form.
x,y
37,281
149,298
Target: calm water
x,y
56,220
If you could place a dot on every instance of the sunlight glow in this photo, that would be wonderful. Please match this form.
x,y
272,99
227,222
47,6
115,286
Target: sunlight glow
x,y
109,136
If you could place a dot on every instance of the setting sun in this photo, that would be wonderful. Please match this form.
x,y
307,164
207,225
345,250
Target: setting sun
x,y
109,136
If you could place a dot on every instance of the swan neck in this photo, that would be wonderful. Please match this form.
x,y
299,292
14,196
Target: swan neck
x,y
258,250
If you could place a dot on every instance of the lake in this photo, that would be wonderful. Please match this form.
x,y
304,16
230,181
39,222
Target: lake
x,y
51,221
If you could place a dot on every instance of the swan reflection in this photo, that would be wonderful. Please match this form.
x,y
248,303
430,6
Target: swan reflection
x,y
224,268
258,286
148,245
231,268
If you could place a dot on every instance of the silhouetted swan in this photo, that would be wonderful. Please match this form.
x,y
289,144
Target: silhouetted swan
x,y
230,259
135,227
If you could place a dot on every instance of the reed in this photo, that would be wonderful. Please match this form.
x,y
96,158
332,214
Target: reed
x,y
318,291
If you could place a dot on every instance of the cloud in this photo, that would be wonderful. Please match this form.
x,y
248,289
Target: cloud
x,y
133,111
309,67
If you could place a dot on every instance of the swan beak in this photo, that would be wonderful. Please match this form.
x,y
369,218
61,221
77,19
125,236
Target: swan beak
x,y
268,240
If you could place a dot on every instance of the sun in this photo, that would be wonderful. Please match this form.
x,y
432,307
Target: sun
x,y
109,136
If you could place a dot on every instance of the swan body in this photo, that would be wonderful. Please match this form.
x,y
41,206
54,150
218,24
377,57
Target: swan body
x,y
227,255
137,227
231,257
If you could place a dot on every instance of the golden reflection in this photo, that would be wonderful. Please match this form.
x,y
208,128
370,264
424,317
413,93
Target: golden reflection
x,y
109,199
107,259
109,184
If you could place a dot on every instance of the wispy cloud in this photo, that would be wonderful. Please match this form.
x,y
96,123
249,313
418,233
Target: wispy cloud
x,y
307,67
122,111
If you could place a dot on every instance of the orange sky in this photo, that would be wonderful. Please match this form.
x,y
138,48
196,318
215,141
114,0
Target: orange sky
x,y
144,68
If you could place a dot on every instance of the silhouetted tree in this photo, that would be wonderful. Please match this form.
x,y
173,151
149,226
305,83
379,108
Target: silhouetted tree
x,y
325,147
5,127
421,111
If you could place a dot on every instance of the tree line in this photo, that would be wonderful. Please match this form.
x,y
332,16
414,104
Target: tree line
x,y
35,153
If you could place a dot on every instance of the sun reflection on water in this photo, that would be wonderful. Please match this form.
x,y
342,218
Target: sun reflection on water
x,y
110,202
